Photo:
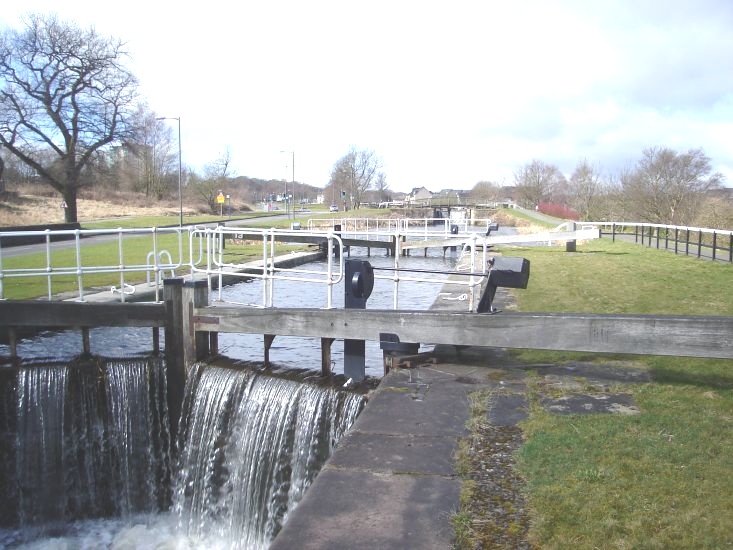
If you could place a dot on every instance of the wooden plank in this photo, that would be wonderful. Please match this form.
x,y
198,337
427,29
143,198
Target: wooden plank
x,y
174,359
79,314
634,334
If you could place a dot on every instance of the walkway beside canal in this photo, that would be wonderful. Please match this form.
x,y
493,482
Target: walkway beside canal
x,y
392,482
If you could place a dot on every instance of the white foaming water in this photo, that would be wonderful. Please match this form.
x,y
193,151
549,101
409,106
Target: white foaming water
x,y
250,445
249,456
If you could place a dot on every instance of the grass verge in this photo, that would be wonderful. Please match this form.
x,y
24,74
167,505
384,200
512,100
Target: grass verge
x,y
659,479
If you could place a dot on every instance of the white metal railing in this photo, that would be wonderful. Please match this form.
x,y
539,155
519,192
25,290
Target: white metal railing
x,y
54,264
410,227
268,272
472,279
266,268
159,261
206,256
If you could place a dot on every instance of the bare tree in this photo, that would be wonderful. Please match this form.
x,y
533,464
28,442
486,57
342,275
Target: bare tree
x,y
354,173
585,188
668,187
65,96
716,211
214,180
148,162
381,186
535,182
485,192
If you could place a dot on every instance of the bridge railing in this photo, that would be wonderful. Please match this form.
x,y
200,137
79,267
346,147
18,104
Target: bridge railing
x,y
410,227
150,254
206,257
715,244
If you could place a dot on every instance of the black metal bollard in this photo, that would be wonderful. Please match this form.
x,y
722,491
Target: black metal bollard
x,y
358,286
507,272
570,245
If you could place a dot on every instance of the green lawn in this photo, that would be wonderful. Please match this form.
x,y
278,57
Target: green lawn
x,y
659,479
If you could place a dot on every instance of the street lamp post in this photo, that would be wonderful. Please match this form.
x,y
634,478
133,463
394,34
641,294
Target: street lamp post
x,y
286,183
180,194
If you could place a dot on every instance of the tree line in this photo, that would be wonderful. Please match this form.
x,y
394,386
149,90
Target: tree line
x,y
664,186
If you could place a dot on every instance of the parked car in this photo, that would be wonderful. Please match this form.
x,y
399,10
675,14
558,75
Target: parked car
x,y
333,208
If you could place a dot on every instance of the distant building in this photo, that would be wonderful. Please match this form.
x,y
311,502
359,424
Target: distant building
x,y
417,195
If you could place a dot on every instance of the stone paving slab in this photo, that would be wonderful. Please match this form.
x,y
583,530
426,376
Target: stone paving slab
x,y
356,509
508,409
613,403
406,454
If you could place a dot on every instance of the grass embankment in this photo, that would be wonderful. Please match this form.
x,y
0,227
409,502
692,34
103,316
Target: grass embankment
x,y
523,217
659,479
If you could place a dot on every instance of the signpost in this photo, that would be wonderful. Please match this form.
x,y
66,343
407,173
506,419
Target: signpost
x,y
220,198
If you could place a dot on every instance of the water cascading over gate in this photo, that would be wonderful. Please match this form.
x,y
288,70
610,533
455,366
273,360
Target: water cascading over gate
x,y
250,446
89,439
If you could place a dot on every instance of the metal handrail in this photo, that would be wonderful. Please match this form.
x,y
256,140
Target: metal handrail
x,y
429,227
678,235
209,260
78,269
217,267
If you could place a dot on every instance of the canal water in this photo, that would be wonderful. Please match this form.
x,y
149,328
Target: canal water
x,y
299,352
87,461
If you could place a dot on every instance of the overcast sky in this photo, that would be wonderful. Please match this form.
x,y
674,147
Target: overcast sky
x,y
446,93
